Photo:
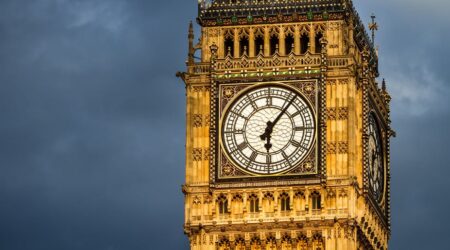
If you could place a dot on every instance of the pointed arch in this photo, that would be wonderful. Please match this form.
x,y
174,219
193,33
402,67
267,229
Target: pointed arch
x,y
244,42
259,42
274,41
318,42
253,201
222,204
229,42
316,200
285,202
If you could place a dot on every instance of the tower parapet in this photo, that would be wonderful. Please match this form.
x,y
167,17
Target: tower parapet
x,y
246,12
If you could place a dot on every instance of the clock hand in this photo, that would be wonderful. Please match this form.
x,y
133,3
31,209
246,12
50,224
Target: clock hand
x,y
269,128
268,145
283,111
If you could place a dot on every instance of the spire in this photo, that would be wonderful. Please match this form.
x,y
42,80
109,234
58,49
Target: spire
x,y
191,43
384,93
373,26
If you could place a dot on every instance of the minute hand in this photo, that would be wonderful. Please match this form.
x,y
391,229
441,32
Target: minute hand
x,y
283,111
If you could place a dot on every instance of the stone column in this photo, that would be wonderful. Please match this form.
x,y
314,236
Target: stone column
x,y
297,40
312,37
236,43
251,43
266,41
281,42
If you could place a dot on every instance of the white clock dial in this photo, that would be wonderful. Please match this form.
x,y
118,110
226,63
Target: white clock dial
x,y
268,130
376,161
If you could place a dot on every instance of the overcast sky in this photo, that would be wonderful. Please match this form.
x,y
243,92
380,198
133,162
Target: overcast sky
x,y
92,122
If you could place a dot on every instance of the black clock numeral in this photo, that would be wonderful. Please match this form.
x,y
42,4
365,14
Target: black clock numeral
x,y
295,114
297,144
286,157
242,146
240,115
234,132
269,101
269,159
302,128
253,156
252,102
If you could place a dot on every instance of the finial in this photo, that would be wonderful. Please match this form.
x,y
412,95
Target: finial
x,y
373,26
213,49
191,43
261,50
191,27
384,92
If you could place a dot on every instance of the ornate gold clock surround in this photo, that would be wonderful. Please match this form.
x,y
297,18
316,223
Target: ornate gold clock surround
x,y
226,171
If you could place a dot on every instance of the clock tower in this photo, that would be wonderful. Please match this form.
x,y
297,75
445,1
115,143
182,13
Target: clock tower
x,y
287,129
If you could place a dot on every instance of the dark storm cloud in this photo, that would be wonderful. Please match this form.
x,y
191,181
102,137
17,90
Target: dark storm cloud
x,y
92,131
92,122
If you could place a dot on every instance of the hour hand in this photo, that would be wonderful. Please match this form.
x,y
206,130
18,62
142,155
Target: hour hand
x,y
268,145
267,135
267,132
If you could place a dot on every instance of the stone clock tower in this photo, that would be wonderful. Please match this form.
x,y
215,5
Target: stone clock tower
x,y
288,130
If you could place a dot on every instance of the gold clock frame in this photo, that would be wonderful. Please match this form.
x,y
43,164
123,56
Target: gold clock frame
x,y
313,151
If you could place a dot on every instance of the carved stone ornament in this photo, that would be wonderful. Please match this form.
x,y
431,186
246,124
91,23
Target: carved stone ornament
x,y
197,154
197,120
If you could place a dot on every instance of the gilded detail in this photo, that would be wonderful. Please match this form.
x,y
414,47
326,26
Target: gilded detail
x,y
197,120
197,154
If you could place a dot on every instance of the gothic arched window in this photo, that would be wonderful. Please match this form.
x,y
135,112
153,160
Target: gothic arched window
x,y
318,45
289,43
316,200
229,43
304,43
254,203
274,42
285,202
222,203
259,44
243,46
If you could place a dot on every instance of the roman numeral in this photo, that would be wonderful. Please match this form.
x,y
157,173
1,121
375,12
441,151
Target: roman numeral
x,y
246,118
252,103
297,144
242,146
269,159
286,157
300,128
234,132
253,156
300,111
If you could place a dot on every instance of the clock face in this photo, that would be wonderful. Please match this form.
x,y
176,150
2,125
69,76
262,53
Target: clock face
x,y
376,161
268,130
